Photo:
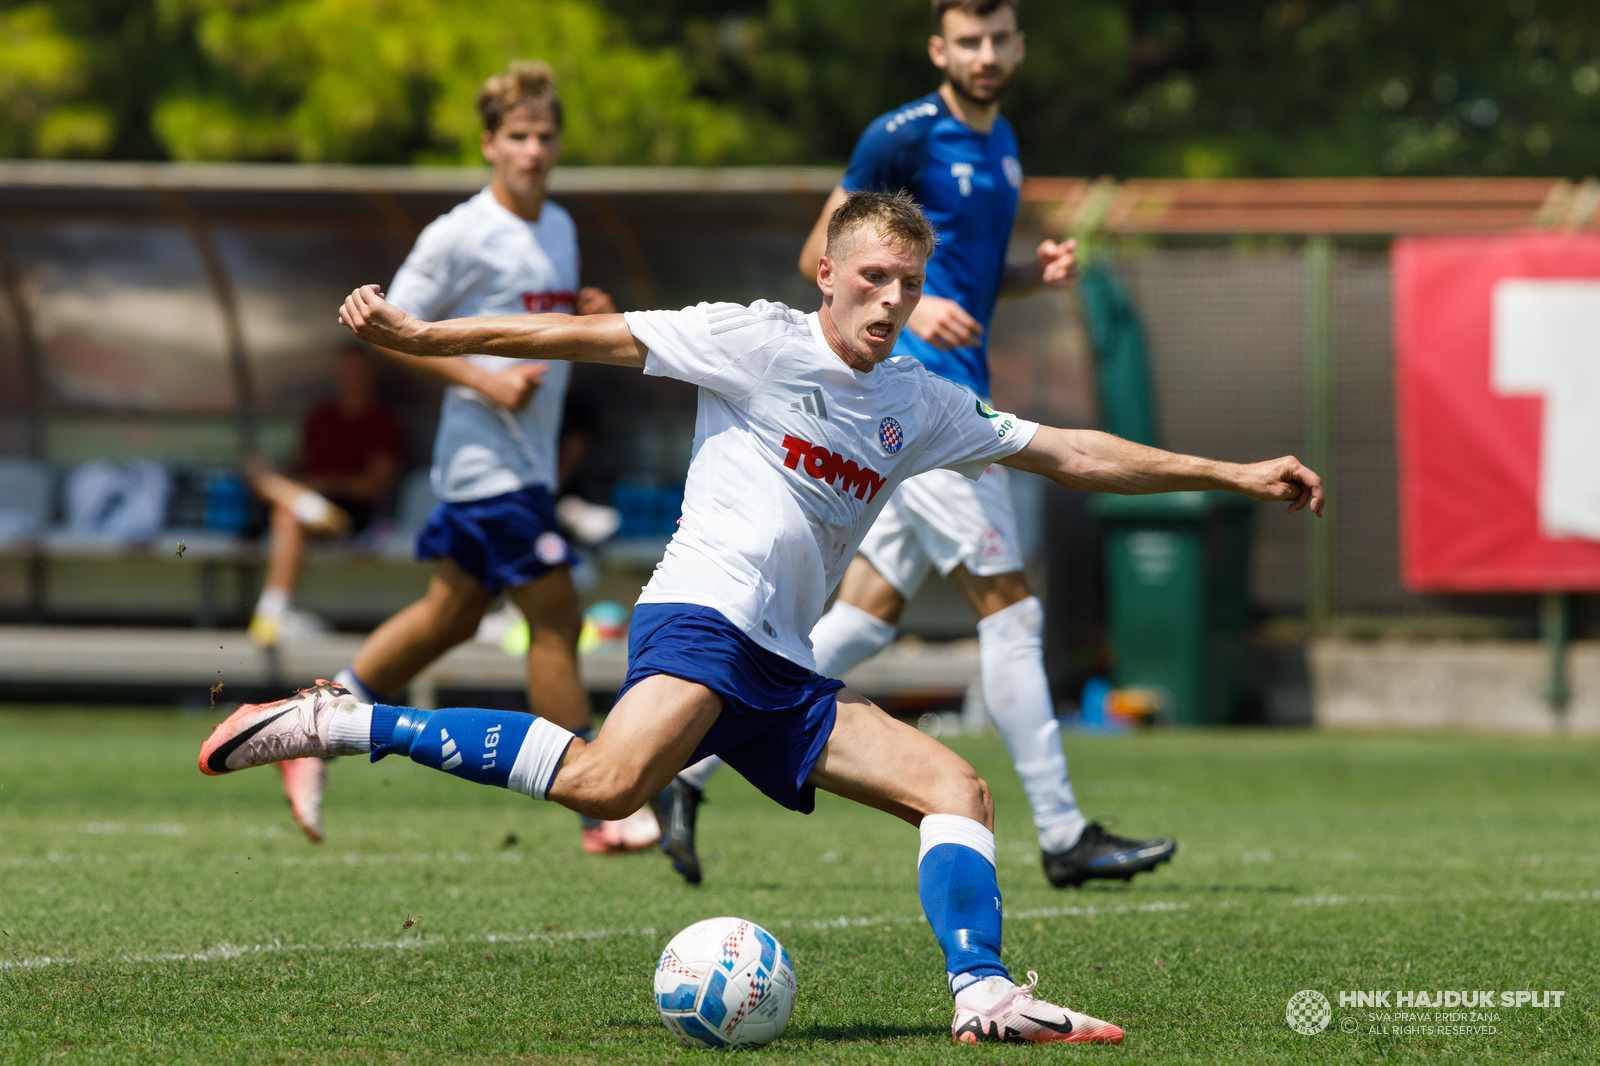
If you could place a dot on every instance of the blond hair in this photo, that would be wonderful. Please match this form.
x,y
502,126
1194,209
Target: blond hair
x,y
526,83
895,215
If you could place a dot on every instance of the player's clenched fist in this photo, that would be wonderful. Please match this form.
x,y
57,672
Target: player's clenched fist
x,y
1284,479
513,387
377,321
593,301
944,324
1058,262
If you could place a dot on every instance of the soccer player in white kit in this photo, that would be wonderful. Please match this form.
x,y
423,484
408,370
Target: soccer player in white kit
x,y
719,657
508,250
955,154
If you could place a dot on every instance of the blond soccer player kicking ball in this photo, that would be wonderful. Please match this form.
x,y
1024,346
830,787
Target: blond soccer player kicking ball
x,y
775,505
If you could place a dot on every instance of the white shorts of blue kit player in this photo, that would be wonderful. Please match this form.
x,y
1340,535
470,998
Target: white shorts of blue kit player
x,y
941,520
937,521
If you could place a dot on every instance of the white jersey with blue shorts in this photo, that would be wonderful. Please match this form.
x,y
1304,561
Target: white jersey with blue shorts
x,y
795,454
493,468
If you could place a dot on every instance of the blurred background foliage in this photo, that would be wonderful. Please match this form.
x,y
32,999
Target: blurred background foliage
x,y
1198,88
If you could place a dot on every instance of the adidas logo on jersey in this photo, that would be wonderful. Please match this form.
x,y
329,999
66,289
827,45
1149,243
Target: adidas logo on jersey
x,y
812,405
825,465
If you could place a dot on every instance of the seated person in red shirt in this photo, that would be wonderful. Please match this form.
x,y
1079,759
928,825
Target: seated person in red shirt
x,y
347,462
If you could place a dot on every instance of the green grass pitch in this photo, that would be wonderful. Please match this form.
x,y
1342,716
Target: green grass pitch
x,y
153,915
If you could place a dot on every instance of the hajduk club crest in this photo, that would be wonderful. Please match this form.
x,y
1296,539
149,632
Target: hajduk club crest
x,y
889,435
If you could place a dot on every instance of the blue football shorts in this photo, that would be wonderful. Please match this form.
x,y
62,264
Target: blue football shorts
x,y
776,715
503,541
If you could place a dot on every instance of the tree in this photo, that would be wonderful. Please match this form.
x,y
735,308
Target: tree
x,y
1199,88
395,80
43,71
389,81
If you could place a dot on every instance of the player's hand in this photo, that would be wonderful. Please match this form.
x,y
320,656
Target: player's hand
x,y
514,386
593,301
1284,479
377,321
1058,263
944,324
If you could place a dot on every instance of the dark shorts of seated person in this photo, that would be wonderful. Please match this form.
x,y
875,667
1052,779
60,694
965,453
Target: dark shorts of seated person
x,y
360,512
503,541
776,715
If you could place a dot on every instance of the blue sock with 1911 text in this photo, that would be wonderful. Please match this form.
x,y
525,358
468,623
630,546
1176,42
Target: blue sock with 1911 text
x,y
507,749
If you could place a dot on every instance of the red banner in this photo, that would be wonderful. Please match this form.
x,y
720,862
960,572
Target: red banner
x,y
1497,343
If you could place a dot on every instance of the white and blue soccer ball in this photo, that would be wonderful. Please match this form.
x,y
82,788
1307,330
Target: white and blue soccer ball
x,y
725,983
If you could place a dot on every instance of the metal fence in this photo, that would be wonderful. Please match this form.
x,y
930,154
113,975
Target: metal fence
x,y
1228,333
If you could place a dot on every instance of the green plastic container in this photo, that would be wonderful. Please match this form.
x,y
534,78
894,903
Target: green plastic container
x,y
1177,579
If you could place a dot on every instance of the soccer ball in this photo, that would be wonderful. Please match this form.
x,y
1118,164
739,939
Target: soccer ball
x,y
725,983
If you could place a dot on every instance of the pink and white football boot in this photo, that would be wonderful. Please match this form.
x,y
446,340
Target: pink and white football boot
x,y
995,1009
638,831
299,727
302,784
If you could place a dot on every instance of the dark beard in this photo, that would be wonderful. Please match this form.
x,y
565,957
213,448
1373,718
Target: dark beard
x,y
966,94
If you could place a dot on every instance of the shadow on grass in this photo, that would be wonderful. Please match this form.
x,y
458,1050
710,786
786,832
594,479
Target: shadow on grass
x,y
865,1033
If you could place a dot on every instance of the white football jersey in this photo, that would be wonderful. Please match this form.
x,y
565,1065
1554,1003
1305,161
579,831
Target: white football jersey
x,y
795,454
477,261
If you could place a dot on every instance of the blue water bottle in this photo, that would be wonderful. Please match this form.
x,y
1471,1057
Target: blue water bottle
x,y
227,501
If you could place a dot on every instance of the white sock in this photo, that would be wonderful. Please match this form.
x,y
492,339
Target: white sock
x,y
697,775
311,508
539,758
983,993
273,603
1018,694
350,732
936,829
846,636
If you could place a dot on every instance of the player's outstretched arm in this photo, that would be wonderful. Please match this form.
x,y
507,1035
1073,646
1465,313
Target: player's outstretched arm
x,y
511,388
585,339
1099,462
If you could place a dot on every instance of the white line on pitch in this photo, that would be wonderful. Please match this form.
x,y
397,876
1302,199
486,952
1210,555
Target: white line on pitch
x,y
225,951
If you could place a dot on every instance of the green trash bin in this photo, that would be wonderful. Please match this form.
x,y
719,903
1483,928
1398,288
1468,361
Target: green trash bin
x,y
1177,578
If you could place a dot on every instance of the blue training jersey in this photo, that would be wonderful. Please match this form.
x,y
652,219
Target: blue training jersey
x,y
968,184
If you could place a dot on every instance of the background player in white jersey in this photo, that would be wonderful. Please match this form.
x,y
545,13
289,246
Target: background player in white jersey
x,y
719,659
508,250
956,155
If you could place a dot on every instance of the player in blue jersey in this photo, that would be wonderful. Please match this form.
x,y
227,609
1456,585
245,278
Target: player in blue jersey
x,y
957,156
